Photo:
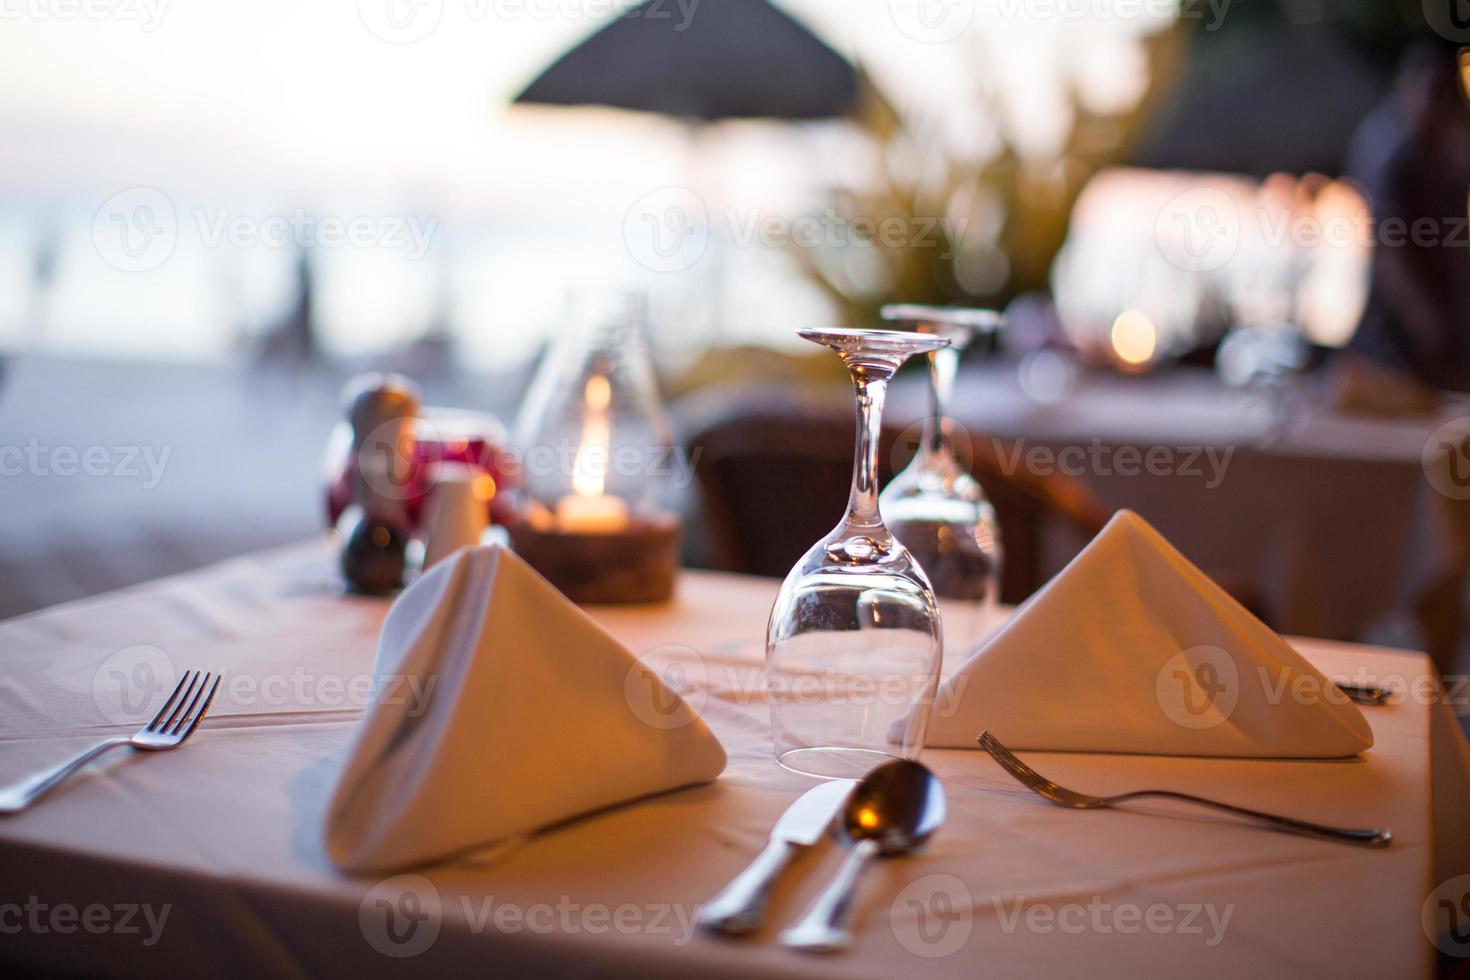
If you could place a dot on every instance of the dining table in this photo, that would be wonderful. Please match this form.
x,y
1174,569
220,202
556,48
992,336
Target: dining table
x,y
210,858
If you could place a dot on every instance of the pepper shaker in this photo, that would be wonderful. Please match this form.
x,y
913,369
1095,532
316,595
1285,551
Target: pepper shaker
x,y
383,411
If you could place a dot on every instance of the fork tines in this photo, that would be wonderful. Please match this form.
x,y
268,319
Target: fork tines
x,y
187,704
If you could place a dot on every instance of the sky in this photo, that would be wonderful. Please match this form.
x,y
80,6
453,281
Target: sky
x,y
331,87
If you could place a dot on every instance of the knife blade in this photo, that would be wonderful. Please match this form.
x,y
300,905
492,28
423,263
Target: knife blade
x,y
738,908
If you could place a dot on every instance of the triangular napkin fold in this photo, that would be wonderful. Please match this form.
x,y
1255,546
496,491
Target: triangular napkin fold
x,y
1132,649
501,708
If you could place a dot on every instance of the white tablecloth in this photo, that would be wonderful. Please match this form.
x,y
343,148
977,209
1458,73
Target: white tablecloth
x,y
223,836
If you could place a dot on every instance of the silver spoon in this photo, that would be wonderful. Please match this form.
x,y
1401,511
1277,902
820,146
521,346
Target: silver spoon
x,y
893,810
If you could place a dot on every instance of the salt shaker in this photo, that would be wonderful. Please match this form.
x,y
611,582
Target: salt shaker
x,y
458,510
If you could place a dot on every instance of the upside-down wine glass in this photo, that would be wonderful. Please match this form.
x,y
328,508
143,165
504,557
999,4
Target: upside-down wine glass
x,y
935,506
854,644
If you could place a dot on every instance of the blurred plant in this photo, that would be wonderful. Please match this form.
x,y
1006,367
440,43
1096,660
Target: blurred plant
x,y
983,228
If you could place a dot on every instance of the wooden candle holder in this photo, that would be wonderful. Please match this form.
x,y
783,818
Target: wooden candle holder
x,y
635,564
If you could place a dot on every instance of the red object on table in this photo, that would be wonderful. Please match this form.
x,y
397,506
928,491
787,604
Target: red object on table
x,y
444,435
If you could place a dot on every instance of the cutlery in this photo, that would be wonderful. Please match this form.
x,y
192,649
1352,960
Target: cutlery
x,y
1364,693
738,908
893,810
1038,783
173,724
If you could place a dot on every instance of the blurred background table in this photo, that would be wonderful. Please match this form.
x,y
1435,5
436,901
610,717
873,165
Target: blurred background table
x,y
1325,524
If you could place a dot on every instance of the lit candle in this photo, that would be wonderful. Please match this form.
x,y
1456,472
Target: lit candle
x,y
588,509
591,514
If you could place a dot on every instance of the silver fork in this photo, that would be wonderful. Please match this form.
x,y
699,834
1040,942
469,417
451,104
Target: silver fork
x,y
174,723
1039,784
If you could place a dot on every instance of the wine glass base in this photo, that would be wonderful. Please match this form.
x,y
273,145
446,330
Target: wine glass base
x,y
833,762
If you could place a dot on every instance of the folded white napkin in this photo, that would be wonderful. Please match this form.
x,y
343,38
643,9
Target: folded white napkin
x,y
1132,649
501,708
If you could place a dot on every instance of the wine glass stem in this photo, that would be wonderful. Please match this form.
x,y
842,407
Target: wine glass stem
x,y
942,366
862,506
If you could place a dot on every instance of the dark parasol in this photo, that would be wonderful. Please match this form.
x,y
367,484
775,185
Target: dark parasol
x,y
702,60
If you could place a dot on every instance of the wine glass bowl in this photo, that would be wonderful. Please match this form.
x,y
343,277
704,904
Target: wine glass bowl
x,y
853,646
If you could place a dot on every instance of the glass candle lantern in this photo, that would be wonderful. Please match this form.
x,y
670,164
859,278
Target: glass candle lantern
x,y
597,514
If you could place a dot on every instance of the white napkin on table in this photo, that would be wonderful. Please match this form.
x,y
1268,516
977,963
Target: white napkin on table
x,y
1132,649
501,708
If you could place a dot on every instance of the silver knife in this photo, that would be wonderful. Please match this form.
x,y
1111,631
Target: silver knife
x,y
738,908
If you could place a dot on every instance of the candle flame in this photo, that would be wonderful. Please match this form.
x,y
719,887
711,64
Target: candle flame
x,y
589,470
598,393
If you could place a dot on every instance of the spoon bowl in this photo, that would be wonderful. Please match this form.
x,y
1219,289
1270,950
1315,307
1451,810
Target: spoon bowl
x,y
897,805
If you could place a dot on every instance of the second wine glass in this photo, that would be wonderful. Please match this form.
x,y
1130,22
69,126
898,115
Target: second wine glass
x,y
935,506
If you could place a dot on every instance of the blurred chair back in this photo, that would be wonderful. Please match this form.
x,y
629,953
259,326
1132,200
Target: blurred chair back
x,y
774,470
